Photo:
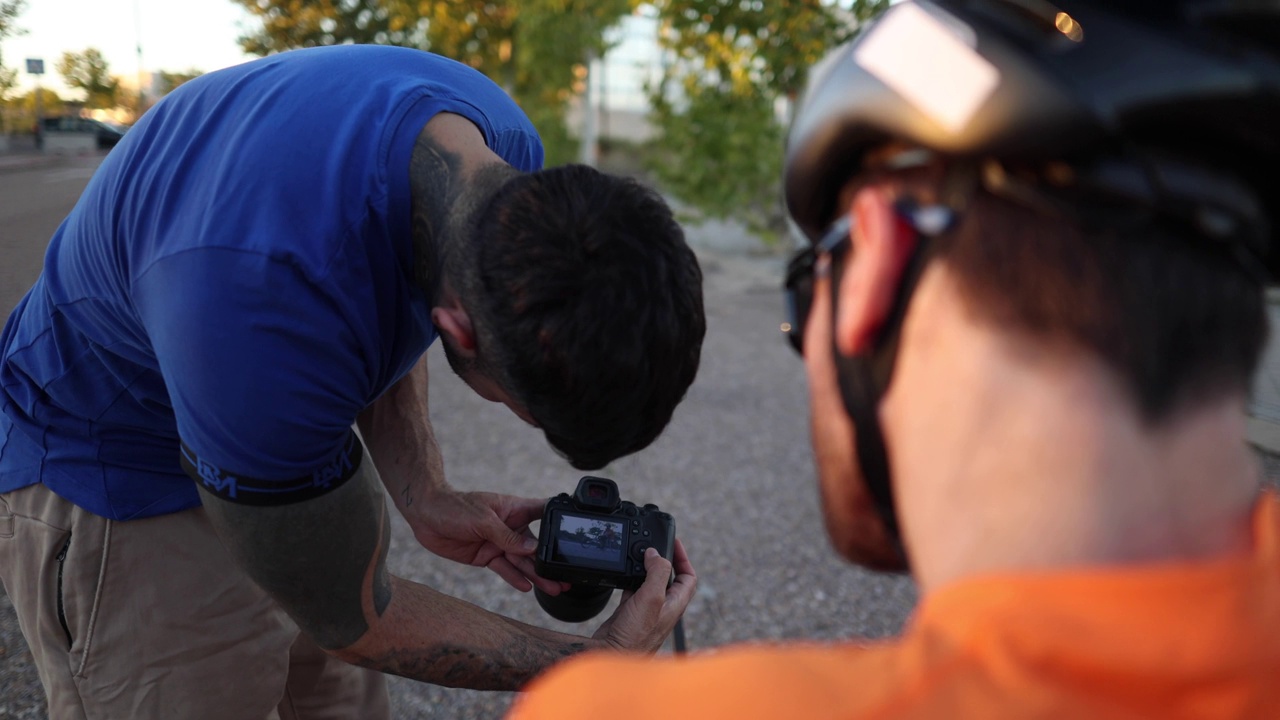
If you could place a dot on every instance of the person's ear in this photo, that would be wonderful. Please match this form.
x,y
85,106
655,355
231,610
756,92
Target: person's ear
x,y
882,245
454,323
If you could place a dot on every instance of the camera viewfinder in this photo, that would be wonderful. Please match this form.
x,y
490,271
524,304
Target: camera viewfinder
x,y
597,492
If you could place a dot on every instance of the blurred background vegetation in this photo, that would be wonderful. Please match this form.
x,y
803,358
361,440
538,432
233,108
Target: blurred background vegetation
x,y
728,73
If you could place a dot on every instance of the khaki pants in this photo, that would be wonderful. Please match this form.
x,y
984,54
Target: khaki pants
x,y
151,619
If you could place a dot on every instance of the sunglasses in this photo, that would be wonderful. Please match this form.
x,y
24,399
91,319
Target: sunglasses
x,y
927,220
798,286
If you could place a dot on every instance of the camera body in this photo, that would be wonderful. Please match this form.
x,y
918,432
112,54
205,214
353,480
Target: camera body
x,y
594,538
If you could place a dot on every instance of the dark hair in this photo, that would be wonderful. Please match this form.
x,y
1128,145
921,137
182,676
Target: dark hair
x,y
1178,318
587,307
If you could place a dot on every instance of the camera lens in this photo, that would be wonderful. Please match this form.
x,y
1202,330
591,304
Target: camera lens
x,y
577,604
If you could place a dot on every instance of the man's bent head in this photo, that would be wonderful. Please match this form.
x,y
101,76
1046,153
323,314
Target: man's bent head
x,y
587,308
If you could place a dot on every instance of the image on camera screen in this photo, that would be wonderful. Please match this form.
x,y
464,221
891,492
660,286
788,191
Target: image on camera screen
x,y
589,542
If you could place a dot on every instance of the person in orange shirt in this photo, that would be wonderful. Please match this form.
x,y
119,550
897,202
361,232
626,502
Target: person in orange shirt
x,y
1030,316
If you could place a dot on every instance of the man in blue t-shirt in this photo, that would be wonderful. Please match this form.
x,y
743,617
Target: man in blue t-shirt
x,y
251,275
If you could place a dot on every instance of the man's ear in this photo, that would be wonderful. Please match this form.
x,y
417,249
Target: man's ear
x,y
882,245
454,323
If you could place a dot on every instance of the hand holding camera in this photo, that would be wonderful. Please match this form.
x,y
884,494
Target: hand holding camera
x,y
598,542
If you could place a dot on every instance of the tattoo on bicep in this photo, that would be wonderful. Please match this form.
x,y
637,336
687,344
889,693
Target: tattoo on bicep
x,y
380,582
323,560
406,494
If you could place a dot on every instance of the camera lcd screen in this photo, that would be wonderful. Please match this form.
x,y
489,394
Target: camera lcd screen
x,y
589,542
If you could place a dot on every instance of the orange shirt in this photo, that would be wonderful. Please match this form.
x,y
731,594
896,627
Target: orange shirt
x,y
1196,640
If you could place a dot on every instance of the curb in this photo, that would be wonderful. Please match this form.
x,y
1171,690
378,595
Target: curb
x,y
21,162
24,161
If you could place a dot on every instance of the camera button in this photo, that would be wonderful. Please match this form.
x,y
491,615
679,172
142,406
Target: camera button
x,y
645,533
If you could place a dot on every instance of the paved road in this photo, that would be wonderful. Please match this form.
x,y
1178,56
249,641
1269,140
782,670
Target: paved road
x,y
733,469
35,194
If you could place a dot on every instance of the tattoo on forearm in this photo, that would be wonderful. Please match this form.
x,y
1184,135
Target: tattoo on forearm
x,y
407,494
454,666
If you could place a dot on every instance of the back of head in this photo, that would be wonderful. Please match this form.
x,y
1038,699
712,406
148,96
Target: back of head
x,y
1107,171
1122,157
587,305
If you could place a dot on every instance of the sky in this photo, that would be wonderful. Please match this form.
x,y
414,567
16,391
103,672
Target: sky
x,y
176,35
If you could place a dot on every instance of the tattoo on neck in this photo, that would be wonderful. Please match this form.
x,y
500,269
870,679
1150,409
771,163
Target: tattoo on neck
x,y
435,182
449,191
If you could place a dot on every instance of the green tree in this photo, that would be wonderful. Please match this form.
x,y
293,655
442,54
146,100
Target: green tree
x,y
735,64
20,110
291,24
530,48
554,40
88,71
9,12
166,82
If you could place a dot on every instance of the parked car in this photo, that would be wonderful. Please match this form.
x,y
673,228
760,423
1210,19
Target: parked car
x,y
107,134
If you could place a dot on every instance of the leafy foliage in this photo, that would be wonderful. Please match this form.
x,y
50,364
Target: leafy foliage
x,y
555,38
720,152
717,108
166,82
9,12
20,110
289,24
89,71
530,48
736,64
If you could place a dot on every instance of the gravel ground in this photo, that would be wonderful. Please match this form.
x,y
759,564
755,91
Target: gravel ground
x,y
733,468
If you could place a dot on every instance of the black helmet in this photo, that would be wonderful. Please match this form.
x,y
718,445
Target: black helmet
x,y
1165,107
1161,111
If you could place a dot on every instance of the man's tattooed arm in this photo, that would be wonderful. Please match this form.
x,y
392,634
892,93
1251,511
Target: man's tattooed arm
x,y
397,430
502,656
324,561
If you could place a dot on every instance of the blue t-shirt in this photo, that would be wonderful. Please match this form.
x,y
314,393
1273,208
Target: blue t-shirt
x,y
238,276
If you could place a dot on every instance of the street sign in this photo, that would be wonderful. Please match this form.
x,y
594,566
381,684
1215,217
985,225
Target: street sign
x,y
35,66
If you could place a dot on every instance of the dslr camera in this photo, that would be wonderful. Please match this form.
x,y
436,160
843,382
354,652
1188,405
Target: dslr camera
x,y
595,540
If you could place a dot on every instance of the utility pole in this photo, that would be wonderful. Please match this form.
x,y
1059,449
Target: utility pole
x,y
587,152
137,30
604,98
35,66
